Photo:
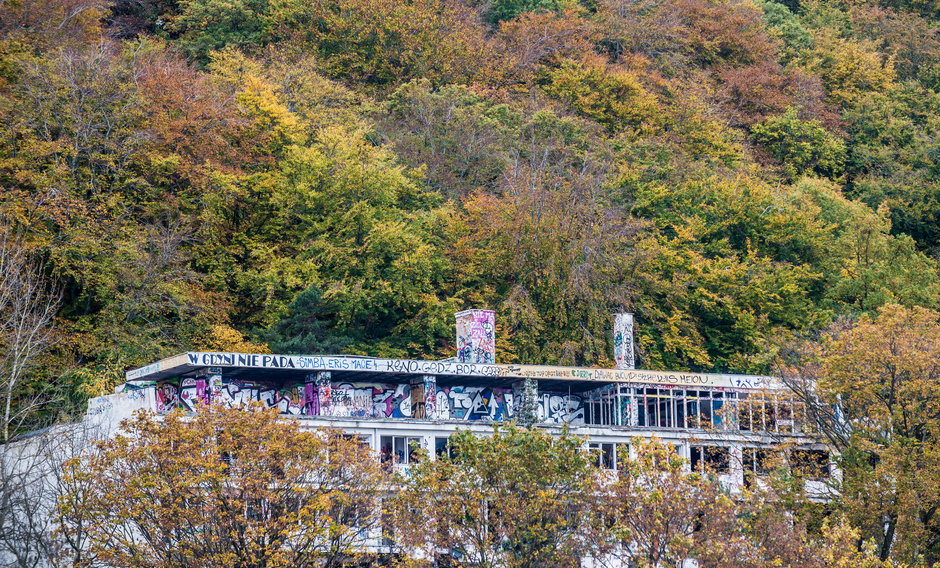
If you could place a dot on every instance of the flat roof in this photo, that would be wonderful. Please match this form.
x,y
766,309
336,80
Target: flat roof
x,y
372,369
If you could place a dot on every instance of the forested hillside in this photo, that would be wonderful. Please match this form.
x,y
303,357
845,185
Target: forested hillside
x,y
315,176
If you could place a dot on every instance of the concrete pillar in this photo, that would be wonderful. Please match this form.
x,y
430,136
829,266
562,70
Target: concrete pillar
x,y
317,392
525,395
423,397
215,385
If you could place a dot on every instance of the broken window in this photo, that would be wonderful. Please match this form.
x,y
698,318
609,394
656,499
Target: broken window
x,y
760,413
706,409
400,449
442,447
710,459
810,464
662,407
757,462
604,455
680,409
601,405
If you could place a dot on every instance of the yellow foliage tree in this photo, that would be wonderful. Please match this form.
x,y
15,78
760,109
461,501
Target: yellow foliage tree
x,y
609,94
848,68
877,397
222,337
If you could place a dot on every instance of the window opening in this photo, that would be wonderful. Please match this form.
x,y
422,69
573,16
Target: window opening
x,y
400,449
710,459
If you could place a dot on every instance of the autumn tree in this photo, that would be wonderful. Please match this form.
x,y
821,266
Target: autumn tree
x,y
28,304
656,514
513,499
848,68
687,32
381,42
613,97
559,258
756,92
875,396
535,39
459,137
227,487
26,26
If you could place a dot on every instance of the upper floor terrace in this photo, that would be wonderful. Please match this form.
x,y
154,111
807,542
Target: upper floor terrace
x,y
368,388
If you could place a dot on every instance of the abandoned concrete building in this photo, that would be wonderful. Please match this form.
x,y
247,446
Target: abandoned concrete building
x,y
722,421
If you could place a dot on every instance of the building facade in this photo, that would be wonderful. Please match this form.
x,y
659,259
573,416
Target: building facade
x,y
729,423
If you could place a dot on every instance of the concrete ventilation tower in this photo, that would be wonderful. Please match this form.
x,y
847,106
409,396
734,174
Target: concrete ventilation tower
x,y
476,336
623,341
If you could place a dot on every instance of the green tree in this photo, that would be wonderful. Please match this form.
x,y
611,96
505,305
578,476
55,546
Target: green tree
x,y
206,25
500,10
787,26
376,237
892,158
304,329
801,146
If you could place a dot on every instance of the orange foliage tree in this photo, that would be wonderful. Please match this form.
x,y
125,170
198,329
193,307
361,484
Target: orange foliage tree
x,y
226,487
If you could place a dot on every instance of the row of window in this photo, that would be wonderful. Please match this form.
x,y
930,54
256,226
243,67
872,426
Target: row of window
x,y
806,463
678,409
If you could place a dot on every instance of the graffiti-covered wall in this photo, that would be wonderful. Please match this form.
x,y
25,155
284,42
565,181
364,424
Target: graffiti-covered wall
x,y
476,336
364,400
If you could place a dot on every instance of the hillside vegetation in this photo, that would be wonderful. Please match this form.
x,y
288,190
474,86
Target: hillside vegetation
x,y
343,175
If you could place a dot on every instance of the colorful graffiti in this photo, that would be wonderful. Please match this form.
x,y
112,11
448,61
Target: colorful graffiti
x,y
167,397
430,396
288,400
367,400
560,409
474,403
476,336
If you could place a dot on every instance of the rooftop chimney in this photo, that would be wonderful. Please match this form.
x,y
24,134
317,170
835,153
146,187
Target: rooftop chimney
x,y
476,336
623,341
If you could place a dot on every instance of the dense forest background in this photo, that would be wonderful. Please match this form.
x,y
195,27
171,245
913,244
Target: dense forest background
x,y
343,175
